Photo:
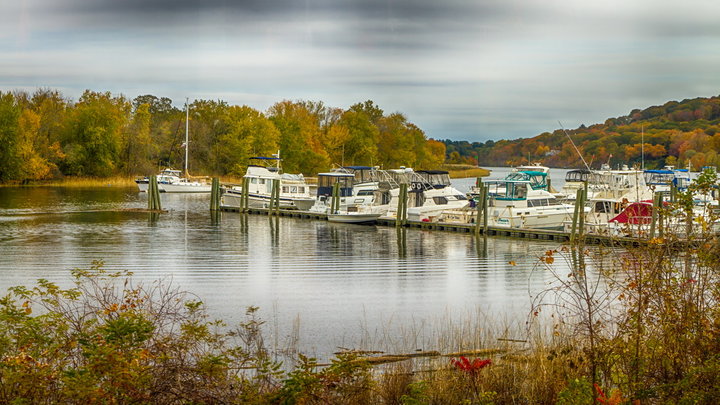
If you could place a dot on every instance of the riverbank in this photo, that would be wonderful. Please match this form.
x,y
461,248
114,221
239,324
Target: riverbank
x,y
464,171
77,182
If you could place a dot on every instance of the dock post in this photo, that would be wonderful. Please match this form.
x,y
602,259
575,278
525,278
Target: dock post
x,y
661,218
335,205
401,219
276,185
215,194
244,199
673,192
549,184
154,195
656,197
486,204
576,214
581,212
479,206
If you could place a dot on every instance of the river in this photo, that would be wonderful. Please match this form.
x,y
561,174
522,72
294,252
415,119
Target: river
x,y
319,285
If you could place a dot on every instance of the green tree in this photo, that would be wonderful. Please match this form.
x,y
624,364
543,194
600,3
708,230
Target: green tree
x,y
94,134
138,145
300,136
249,133
9,132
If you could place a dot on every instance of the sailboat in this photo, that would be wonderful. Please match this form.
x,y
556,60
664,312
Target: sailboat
x,y
169,180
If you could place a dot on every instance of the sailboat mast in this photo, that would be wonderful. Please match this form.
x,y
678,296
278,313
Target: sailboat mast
x,y
187,129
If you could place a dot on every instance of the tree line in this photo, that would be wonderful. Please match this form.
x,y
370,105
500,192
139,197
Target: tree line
x,y
676,133
46,135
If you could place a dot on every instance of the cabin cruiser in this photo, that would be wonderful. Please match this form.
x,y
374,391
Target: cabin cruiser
x,y
516,203
361,187
429,195
294,191
537,174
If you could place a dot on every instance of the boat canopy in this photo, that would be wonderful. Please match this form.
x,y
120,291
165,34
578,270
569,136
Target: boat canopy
x,y
536,179
577,175
357,167
326,182
428,179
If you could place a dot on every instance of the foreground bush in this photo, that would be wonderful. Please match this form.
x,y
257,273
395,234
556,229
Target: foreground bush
x,y
640,328
107,341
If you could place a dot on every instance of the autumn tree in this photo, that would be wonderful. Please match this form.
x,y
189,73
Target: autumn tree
x,y
248,133
10,113
300,145
93,138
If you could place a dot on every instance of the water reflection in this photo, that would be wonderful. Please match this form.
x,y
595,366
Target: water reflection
x,y
341,285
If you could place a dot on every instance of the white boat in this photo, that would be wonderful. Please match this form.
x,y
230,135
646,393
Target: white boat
x,y
355,215
357,186
170,180
537,174
514,203
430,195
605,184
294,191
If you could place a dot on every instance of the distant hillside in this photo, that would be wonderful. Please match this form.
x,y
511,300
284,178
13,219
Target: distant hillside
x,y
676,133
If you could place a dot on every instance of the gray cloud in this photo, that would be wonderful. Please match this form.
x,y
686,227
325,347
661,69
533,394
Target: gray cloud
x,y
465,70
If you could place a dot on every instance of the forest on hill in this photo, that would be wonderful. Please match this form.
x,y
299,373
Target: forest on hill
x,y
45,135
675,133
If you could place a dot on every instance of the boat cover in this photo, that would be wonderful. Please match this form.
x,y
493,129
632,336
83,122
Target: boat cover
x,y
636,213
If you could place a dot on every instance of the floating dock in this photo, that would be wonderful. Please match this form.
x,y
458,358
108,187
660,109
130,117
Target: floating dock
x,y
470,228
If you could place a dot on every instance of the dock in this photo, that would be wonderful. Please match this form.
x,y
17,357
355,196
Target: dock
x,y
469,228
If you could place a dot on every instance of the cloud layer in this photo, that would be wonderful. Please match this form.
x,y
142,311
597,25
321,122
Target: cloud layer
x,y
461,70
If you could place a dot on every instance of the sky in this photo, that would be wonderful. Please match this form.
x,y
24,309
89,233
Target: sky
x,y
458,69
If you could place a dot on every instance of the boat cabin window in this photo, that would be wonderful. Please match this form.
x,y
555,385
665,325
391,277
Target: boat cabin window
x,y
460,197
508,190
543,202
610,207
253,180
262,181
301,190
326,183
440,200
365,192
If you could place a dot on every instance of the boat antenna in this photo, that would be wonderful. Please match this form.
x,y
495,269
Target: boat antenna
x,y
573,144
187,129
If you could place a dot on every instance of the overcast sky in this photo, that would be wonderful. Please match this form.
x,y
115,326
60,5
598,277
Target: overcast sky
x,y
459,69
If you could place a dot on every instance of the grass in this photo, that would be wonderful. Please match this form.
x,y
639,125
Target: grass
x,y
78,182
462,171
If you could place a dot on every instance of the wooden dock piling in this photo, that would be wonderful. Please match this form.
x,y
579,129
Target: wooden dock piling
x,y
402,205
215,193
154,195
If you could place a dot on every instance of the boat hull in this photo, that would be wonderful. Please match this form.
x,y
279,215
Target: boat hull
x,y
232,199
184,188
354,218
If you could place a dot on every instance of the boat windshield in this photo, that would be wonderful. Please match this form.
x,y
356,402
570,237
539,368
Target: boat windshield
x,y
659,176
510,190
577,175
536,179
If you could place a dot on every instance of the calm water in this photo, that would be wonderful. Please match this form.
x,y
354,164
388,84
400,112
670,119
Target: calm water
x,y
330,284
